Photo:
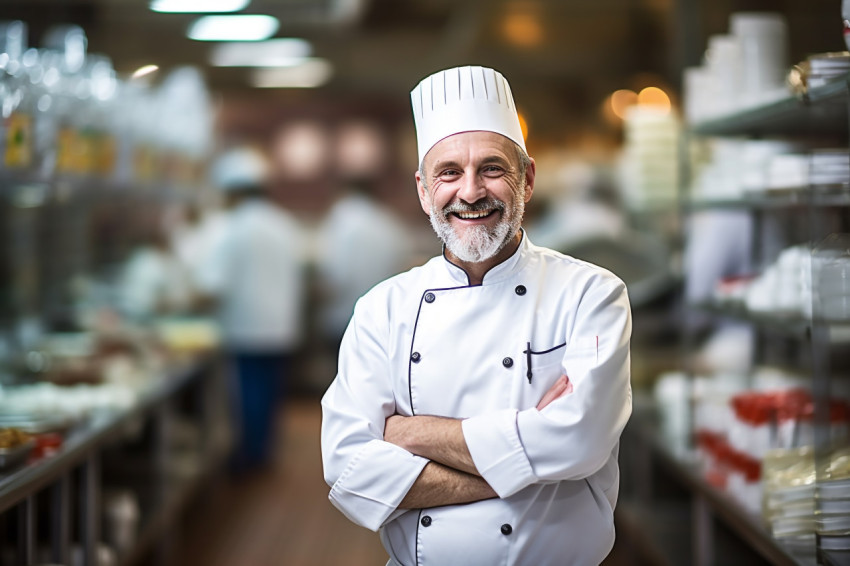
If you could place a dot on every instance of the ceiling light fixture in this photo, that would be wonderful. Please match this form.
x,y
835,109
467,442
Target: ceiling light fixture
x,y
246,27
523,29
195,6
311,73
283,52
144,71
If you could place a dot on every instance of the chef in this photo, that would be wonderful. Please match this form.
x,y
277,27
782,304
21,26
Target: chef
x,y
476,414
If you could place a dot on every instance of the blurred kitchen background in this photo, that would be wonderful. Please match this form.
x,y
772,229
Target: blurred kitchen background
x,y
696,148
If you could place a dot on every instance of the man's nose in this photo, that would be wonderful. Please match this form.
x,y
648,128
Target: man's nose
x,y
471,189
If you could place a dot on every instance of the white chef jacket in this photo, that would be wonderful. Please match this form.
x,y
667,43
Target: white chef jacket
x,y
427,343
154,280
256,270
361,244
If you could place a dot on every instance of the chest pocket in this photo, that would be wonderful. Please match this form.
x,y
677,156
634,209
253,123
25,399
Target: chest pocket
x,y
543,362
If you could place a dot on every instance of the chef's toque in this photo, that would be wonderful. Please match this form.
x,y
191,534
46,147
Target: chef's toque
x,y
463,99
240,169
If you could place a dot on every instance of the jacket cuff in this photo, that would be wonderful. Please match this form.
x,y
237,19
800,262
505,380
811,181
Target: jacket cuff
x,y
374,483
494,444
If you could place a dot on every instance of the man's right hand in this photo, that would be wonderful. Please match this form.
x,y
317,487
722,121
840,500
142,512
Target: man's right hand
x,y
562,387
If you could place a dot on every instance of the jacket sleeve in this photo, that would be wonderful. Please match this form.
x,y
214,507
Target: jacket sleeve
x,y
574,436
368,476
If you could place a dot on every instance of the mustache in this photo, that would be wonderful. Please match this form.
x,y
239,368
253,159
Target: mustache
x,y
477,206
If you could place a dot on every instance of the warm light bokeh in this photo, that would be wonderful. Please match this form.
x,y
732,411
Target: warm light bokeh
x,y
523,125
622,99
523,29
654,96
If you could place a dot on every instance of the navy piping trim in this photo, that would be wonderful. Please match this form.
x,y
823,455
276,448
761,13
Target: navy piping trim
x,y
418,526
528,352
413,339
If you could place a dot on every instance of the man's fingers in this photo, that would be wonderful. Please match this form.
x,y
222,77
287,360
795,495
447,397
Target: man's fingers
x,y
561,387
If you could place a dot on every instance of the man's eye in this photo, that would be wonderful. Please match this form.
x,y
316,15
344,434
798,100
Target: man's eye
x,y
448,173
493,170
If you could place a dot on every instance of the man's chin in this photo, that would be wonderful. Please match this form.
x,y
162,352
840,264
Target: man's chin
x,y
474,253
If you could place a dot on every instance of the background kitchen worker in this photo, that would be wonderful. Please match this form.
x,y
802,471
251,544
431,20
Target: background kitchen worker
x,y
361,243
255,273
494,376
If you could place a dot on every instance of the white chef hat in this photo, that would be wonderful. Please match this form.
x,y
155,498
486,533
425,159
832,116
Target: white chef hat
x,y
239,169
463,99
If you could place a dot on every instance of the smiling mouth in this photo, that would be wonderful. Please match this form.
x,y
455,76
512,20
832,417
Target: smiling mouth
x,y
474,214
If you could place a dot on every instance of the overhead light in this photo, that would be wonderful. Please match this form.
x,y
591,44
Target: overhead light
x,y
246,27
311,73
284,52
144,71
523,29
187,6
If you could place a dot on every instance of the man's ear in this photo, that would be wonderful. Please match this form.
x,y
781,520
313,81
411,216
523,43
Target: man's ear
x,y
423,193
530,173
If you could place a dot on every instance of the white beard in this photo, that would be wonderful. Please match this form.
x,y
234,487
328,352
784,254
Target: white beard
x,y
480,243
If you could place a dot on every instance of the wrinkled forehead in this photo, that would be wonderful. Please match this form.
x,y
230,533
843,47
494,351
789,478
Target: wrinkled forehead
x,y
471,147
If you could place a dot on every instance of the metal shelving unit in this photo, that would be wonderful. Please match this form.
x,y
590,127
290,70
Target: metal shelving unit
x,y
821,111
798,197
822,115
710,502
74,473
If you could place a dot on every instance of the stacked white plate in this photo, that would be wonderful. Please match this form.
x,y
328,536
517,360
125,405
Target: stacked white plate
x,y
832,518
826,67
829,167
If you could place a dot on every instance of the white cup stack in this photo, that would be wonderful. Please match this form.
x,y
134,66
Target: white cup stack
x,y
763,40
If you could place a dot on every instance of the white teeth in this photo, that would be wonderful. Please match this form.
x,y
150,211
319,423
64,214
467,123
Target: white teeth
x,y
473,215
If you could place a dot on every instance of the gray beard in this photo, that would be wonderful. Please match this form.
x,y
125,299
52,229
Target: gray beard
x,y
480,243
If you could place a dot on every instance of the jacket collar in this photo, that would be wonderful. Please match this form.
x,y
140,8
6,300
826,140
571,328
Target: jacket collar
x,y
497,273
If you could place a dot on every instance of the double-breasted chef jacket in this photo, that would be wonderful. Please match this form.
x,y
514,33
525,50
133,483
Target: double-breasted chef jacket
x,y
426,342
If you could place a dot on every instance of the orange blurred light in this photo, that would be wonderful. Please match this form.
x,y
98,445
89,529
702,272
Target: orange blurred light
x,y
654,96
523,125
622,99
523,29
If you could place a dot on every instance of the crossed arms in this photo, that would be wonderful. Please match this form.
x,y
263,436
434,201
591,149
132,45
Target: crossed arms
x,y
450,477
379,464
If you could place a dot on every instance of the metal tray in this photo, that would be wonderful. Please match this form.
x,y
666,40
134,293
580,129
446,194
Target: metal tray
x,y
37,425
11,457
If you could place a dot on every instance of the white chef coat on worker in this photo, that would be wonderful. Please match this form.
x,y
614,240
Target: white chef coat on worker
x,y
256,270
154,282
361,244
427,343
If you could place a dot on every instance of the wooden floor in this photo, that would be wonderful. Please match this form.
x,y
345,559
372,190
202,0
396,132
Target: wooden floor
x,y
279,518
282,517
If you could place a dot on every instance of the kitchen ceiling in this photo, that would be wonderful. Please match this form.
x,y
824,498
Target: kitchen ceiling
x,y
562,56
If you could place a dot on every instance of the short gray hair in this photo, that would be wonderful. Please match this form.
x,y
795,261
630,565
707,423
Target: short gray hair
x,y
522,156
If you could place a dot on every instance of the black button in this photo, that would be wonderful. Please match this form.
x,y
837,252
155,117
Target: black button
x,y
429,297
426,521
507,362
507,529
415,357
520,290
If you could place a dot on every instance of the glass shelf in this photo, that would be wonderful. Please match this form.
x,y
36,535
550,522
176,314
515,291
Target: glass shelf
x,y
823,196
821,111
790,325
786,324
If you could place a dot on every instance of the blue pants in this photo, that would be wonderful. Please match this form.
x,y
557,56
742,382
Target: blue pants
x,y
260,386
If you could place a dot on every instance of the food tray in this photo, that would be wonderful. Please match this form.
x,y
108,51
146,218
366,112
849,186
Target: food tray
x,y
33,424
11,457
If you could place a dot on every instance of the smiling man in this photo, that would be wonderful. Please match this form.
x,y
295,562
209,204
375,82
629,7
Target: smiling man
x,y
476,414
